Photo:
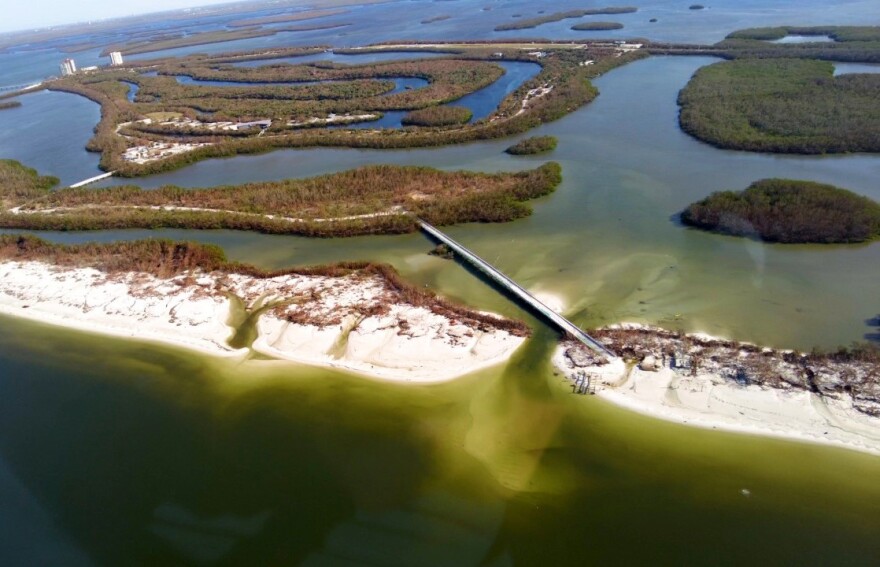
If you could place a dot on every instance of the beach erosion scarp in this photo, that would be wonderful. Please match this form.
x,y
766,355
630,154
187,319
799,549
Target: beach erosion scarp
x,y
353,322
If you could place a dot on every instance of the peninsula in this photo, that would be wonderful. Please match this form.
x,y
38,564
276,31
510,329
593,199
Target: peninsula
x,y
368,200
357,316
703,381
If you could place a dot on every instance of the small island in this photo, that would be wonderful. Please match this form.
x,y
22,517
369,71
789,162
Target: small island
x,y
559,16
379,199
597,26
696,7
533,145
9,104
788,211
435,19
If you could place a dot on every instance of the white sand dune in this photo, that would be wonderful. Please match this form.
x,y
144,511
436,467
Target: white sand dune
x,y
714,401
403,342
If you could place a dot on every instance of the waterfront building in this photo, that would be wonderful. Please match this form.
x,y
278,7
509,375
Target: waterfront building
x,y
115,58
68,67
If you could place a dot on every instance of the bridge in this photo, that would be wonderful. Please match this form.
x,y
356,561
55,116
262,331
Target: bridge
x,y
94,179
515,289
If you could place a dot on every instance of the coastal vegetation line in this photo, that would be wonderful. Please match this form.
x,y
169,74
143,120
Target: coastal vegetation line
x,y
368,200
166,259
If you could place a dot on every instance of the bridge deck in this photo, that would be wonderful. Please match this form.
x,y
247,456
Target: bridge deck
x,y
94,179
514,288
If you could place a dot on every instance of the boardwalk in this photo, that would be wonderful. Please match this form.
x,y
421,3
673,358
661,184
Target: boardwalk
x,y
486,268
94,179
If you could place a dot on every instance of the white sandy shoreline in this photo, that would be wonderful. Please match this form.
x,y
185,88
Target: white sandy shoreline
x,y
406,344
400,343
712,401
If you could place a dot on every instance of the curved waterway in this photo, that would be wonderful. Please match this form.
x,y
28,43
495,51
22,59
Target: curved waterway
x,y
481,102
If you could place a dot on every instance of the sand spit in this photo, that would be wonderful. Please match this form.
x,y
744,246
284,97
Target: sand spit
x,y
713,383
356,322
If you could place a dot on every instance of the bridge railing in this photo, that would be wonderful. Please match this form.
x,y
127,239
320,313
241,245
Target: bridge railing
x,y
496,275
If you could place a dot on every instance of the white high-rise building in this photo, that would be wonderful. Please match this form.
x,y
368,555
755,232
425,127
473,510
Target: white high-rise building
x,y
115,58
68,67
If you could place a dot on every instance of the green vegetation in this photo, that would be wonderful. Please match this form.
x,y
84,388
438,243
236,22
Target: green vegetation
x,y
369,200
837,33
10,104
558,16
851,43
783,210
435,19
206,38
857,44
166,258
782,105
438,116
472,67
281,18
19,183
239,56
174,41
345,89
597,26
533,145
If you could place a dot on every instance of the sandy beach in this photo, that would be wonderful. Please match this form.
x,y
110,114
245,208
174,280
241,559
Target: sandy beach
x,y
346,322
714,399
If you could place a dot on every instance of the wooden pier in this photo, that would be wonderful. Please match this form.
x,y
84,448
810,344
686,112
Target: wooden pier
x,y
94,179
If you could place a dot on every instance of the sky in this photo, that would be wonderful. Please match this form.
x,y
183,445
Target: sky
x,y
17,15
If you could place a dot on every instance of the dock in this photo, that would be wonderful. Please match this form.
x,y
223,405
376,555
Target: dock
x,y
94,179
515,289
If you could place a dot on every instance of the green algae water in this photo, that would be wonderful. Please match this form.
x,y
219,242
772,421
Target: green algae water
x,y
125,453
118,452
